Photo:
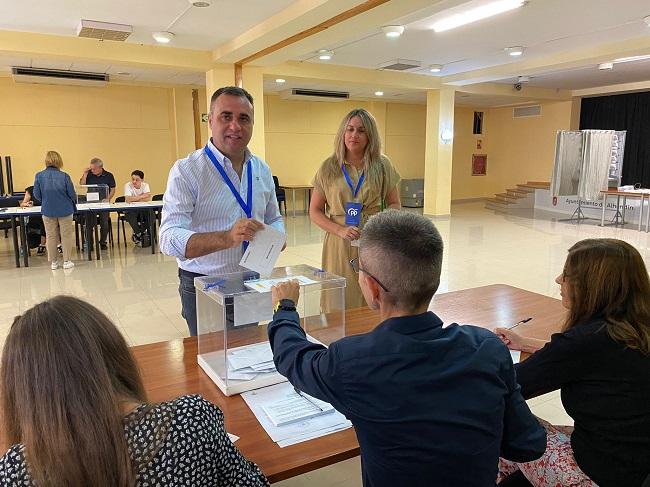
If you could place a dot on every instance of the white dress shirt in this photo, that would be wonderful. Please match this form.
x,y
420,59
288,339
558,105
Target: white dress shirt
x,y
130,190
198,200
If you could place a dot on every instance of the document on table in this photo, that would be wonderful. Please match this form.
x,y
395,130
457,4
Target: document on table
x,y
264,285
296,431
263,251
295,407
516,356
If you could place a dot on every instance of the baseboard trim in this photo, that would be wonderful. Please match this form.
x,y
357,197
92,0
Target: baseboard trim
x,y
470,200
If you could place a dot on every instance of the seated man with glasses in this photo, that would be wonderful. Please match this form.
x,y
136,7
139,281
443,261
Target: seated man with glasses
x,y
431,405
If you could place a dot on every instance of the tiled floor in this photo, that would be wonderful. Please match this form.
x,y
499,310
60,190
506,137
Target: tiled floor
x,y
138,290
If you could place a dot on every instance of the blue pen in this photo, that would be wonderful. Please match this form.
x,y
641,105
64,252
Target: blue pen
x,y
213,284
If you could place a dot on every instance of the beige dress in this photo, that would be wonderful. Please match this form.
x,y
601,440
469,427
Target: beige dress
x,y
338,252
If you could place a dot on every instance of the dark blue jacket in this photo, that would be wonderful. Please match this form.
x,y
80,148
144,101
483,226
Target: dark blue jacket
x,y
54,189
431,406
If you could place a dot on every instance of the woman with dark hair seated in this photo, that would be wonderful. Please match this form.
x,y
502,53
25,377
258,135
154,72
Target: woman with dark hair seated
x,y
601,364
76,412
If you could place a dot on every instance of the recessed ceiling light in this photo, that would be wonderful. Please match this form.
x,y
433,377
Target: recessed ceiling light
x,y
475,14
393,30
280,80
514,51
163,37
325,55
606,66
200,3
379,93
435,68
523,79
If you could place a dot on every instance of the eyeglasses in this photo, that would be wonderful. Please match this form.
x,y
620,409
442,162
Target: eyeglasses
x,y
355,267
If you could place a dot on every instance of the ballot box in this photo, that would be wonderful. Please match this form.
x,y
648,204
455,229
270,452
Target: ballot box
x,y
92,196
233,311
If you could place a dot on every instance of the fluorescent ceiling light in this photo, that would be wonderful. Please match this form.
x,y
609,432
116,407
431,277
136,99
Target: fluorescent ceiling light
x,y
435,68
163,37
200,3
606,66
475,14
632,59
523,79
280,80
515,51
393,30
379,93
325,55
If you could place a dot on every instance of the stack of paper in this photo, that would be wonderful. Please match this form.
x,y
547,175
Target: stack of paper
x,y
287,418
251,361
264,285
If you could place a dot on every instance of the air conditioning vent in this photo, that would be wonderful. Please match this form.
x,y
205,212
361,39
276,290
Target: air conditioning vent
x,y
529,111
315,95
105,31
400,65
58,77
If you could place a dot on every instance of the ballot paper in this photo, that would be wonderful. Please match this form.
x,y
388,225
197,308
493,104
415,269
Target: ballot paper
x,y
265,285
250,361
232,437
263,251
296,431
516,356
294,407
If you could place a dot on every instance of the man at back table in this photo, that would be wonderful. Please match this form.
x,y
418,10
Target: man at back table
x,y
217,198
431,405
96,174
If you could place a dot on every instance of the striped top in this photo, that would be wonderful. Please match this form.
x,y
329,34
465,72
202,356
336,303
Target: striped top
x,y
198,200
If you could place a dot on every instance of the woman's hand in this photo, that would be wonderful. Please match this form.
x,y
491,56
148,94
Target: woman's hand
x,y
511,338
349,233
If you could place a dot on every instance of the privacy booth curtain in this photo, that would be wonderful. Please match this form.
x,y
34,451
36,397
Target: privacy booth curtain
x,y
630,112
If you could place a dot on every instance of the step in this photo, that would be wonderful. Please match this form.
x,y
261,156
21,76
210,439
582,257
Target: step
x,y
506,197
542,184
517,191
529,188
496,207
497,201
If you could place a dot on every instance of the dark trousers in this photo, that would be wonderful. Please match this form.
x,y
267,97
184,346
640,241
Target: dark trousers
x,y
139,220
188,298
104,226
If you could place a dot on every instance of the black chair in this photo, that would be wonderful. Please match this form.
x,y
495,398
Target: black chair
x,y
158,212
121,218
280,195
5,223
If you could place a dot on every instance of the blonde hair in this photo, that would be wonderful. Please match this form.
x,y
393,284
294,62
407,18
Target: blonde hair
x,y
53,159
373,160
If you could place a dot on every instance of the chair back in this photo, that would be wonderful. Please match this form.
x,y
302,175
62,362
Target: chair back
x,y
157,197
120,199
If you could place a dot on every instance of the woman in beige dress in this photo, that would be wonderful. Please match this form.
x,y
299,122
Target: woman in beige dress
x,y
356,177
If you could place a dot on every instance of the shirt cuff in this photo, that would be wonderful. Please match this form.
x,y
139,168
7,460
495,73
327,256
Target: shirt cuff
x,y
176,243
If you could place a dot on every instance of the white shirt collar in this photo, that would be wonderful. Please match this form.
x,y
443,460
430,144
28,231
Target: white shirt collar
x,y
223,160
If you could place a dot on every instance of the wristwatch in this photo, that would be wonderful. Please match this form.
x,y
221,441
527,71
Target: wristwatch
x,y
285,305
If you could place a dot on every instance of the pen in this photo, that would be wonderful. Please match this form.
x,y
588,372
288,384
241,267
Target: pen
x,y
213,284
526,320
299,392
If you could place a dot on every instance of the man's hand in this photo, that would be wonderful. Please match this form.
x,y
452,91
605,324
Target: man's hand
x,y
349,233
285,290
244,230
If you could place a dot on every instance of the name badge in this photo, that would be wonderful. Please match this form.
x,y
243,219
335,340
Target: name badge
x,y
353,213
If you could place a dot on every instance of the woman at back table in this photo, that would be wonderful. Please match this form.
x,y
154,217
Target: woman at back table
x,y
76,412
353,184
600,362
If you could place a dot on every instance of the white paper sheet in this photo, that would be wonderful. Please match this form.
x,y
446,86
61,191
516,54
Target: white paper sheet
x,y
295,407
294,432
232,437
516,356
263,251
264,285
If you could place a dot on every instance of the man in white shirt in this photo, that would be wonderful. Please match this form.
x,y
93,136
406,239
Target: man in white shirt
x,y
217,198
137,190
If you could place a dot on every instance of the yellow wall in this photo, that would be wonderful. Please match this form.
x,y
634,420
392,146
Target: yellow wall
x,y
518,150
128,127
300,135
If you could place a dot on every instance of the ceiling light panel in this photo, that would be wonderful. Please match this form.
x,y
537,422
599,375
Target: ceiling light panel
x,y
479,13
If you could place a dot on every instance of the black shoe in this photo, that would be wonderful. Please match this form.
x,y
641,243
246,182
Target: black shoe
x,y
41,250
59,248
103,246
136,238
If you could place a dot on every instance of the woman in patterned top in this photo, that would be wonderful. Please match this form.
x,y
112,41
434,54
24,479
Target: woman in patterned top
x,y
75,410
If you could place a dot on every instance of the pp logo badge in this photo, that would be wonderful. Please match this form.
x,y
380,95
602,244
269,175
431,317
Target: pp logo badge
x,y
353,214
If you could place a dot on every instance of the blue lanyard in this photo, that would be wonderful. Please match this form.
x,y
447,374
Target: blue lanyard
x,y
246,206
355,191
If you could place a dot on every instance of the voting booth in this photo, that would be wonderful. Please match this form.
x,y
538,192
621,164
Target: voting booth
x,y
233,311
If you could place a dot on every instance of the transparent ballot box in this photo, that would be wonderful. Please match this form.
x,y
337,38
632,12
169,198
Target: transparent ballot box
x,y
233,311
92,195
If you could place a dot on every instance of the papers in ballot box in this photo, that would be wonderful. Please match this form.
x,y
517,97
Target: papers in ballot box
x,y
290,418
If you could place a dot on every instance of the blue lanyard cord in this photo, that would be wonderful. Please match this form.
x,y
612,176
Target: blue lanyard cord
x,y
246,206
355,191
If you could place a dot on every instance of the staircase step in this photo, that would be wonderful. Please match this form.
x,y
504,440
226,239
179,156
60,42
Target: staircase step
x,y
497,201
542,184
517,191
506,197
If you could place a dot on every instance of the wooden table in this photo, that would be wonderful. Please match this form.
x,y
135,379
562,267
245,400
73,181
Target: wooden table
x,y
170,369
618,216
307,193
